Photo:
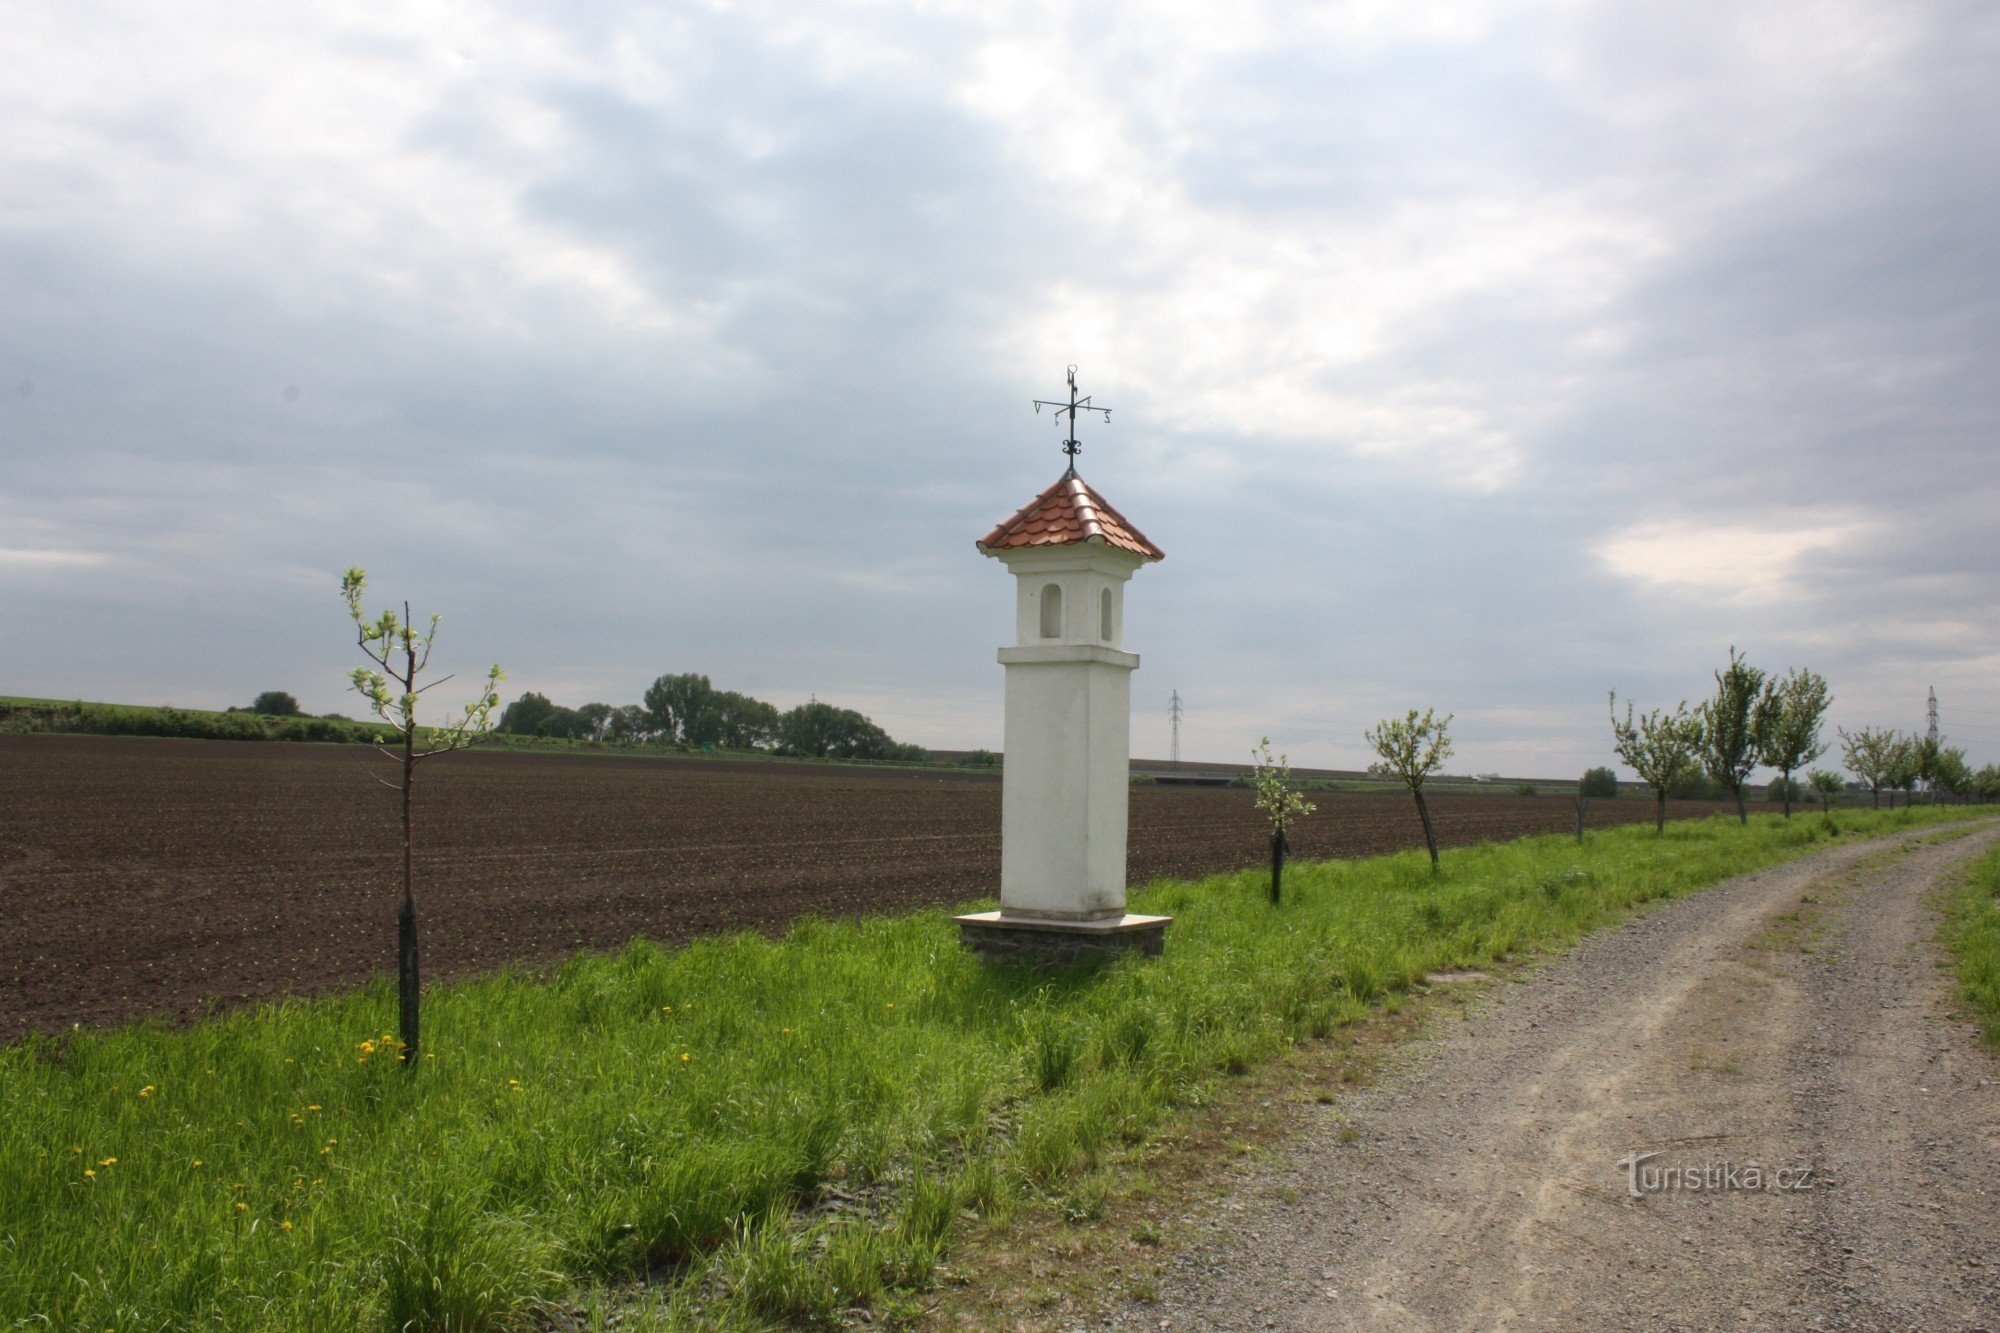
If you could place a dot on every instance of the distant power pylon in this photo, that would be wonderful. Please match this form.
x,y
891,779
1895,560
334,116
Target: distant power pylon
x,y
1174,720
1933,731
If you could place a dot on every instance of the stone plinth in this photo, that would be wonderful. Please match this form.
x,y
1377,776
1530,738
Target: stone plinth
x,y
1006,937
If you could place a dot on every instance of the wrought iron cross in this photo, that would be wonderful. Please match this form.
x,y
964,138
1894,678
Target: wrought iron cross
x,y
1070,409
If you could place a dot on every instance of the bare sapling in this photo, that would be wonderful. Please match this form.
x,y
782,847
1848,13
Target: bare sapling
x,y
1281,803
1412,748
402,654
1661,747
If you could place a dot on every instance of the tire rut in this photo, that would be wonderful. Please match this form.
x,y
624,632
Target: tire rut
x,y
1743,1109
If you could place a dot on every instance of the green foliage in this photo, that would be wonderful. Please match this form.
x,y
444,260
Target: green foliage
x,y
980,759
822,731
1277,797
277,703
92,719
1825,785
398,646
1661,747
1733,724
1870,755
696,1107
1949,773
1784,789
681,708
1908,760
1526,789
1787,723
1986,783
1598,784
1972,934
1410,748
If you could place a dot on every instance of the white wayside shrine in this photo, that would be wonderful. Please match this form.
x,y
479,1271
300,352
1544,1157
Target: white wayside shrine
x,y
1066,782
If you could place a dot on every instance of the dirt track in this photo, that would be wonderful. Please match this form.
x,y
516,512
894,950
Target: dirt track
x,y
1791,1019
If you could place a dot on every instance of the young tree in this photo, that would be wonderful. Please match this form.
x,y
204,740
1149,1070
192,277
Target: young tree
x,y
1906,768
1412,748
1792,712
1827,785
403,654
1730,723
1925,751
1867,755
1661,747
1281,804
1949,772
1986,782
276,702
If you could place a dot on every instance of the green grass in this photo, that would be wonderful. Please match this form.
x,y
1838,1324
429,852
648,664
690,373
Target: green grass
x,y
777,1130
1972,934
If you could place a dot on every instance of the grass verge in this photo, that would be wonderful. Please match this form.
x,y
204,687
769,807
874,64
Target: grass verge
x,y
1972,934
766,1131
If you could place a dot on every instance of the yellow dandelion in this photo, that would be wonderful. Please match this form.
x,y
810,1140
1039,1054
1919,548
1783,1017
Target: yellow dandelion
x,y
76,1149
284,1226
242,1207
88,1172
146,1091
197,1161
108,1161
685,1057
312,1108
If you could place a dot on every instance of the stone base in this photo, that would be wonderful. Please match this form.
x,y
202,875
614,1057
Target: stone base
x,y
1001,936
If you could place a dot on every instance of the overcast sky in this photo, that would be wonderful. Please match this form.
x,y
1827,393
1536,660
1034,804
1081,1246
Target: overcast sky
x,y
1475,356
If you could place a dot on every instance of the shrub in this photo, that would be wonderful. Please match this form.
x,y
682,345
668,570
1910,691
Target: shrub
x,y
1598,784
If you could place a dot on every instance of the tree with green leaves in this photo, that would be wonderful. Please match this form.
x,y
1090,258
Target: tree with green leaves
x,y
1281,803
401,654
741,722
1906,768
681,708
1663,748
275,702
1924,750
1827,785
1599,784
1411,748
1730,723
1986,782
1949,772
1867,754
1787,724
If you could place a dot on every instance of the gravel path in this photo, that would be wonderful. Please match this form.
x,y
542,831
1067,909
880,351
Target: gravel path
x,y
1787,1022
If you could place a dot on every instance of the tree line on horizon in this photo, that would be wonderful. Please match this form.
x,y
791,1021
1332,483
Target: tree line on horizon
x,y
686,711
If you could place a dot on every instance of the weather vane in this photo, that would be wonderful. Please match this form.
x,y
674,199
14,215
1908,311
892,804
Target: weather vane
x,y
1070,409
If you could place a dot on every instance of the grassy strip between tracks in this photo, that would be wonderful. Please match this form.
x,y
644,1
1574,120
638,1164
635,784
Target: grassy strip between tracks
x,y
1972,933
775,1131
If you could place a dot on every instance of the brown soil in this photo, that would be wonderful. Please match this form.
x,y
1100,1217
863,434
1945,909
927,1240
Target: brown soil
x,y
145,877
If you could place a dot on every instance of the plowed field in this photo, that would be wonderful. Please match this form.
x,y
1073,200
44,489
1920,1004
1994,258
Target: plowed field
x,y
144,877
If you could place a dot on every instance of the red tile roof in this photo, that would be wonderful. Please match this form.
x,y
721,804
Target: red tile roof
x,y
1065,514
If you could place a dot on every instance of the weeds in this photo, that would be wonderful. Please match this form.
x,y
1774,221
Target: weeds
x,y
691,1116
